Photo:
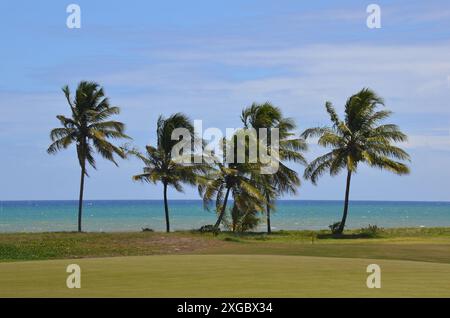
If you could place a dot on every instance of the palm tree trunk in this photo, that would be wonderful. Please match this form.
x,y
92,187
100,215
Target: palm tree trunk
x,y
347,192
269,227
222,213
80,201
166,209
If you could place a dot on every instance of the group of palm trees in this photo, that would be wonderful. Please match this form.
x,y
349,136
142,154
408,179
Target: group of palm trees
x,y
358,138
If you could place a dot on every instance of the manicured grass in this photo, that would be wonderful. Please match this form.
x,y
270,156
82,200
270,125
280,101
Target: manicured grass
x,y
414,263
224,276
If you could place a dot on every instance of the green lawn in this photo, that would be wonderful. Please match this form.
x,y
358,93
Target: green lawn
x,y
224,276
414,262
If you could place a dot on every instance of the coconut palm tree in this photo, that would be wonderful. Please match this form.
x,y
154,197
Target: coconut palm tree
x,y
234,179
359,138
284,180
89,128
161,166
242,220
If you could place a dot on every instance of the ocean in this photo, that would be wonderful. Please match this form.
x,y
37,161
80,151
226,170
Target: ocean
x,y
133,215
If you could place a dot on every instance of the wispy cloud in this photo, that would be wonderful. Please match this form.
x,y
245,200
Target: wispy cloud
x,y
414,78
431,142
211,61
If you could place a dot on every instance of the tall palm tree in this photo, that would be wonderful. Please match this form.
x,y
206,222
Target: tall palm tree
x,y
160,166
284,180
231,179
89,128
359,138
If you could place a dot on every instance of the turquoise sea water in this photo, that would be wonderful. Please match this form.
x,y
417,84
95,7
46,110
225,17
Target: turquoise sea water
x,y
39,216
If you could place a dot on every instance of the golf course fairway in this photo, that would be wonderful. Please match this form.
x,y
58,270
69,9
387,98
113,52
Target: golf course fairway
x,y
224,276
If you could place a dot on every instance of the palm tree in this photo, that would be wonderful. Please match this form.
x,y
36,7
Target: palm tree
x,y
285,180
357,139
161,166
89,128
243,220
231,179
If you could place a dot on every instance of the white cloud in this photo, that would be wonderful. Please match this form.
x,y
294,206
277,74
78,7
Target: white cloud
x,y
412,78
441,143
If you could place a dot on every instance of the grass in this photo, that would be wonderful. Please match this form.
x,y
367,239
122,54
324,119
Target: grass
x,y
414,262
406,244
41,246
224,276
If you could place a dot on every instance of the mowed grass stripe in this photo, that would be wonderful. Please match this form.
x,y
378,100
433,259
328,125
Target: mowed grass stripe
x,y
224,276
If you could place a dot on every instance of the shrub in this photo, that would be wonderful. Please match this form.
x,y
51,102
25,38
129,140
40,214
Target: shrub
x,y
335,227
371,230
231,239
207,229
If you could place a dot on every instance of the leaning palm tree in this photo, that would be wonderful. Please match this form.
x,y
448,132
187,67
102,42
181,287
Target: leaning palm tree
x,y
161,166
284,180
89,128
242,220
231,179
359,138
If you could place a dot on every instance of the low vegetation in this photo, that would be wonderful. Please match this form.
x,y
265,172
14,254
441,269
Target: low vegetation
x,y
423,244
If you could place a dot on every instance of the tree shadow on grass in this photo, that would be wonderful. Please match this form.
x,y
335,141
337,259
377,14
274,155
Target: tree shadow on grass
x,y
346,236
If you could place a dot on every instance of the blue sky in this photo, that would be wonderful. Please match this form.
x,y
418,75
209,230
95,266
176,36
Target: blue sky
x,y
210,59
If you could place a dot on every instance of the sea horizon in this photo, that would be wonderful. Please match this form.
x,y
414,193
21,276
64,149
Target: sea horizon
x,y
187,214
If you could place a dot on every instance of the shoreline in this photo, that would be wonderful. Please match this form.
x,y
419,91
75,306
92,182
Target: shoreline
x,y
262,232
